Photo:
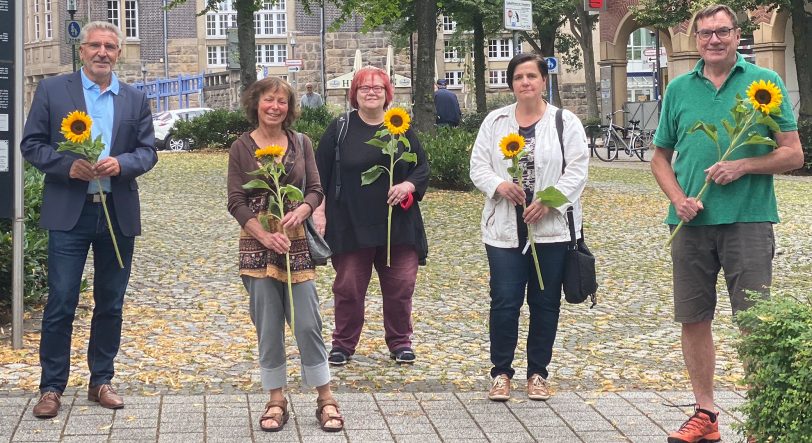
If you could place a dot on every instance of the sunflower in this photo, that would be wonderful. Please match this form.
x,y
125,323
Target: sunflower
x,y
511,145
76,126
396,121
765,96
270,151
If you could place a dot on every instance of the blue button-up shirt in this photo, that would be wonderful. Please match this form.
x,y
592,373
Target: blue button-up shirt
x,y
100,109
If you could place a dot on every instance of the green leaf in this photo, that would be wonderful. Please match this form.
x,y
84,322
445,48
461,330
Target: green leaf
x,y
256,184
707,128
257,172
551,197
378,143
410,157
768,121
371,174
263,220
728,128
382,133
757,139
274,209
405,140
293,193
391,148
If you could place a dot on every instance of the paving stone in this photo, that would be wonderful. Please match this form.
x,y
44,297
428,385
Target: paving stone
x,y
418,438
367,435
508,437
602,436
36,435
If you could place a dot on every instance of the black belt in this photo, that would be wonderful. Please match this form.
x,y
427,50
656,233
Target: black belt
x,y
94,198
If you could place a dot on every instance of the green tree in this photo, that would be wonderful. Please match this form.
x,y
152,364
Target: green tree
x,y
665,13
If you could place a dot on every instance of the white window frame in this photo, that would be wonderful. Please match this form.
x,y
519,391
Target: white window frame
x,y
449,25
450,52
270,54
114,12
130,19
497,78
454,79
271,20
500,49
216,56
36,28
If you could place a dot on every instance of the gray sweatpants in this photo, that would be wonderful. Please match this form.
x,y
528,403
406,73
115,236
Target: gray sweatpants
x,y
269,300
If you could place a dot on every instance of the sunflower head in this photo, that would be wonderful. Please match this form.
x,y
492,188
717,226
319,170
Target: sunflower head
x,y
764,96
76,126
511,145
274,151
396,121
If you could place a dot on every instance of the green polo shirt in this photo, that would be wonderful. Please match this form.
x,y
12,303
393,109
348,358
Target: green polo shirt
x,y
692,97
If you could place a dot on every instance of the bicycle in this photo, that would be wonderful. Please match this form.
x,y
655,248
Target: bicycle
x,y
614,140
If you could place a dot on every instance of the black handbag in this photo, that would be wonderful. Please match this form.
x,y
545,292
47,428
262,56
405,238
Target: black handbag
x,y
580,281
319,249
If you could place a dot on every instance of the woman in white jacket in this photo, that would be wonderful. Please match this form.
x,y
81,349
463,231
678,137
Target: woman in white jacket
x,y
505,221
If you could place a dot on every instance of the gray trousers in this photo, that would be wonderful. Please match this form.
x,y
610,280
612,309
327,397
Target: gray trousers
x,y
270,310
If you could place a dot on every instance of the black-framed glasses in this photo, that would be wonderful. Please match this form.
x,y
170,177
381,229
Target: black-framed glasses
x,y
722,33
365,89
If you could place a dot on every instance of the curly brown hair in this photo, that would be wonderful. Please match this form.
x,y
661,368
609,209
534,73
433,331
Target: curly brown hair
x,y
251,96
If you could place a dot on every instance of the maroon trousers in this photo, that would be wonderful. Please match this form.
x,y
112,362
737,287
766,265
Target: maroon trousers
x,y
353,271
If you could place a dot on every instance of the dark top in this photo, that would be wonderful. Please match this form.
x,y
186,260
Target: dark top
x,y
447,107
358,218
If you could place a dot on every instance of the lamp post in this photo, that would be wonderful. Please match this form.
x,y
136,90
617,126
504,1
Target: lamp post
x,y
293,56
144,73
71,13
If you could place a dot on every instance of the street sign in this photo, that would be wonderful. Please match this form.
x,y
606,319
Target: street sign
x,y
72,30
293,62
518,15
294,68
552,65
595,6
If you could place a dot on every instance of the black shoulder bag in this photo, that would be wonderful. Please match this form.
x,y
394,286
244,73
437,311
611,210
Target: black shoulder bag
x,y
319,249
580,281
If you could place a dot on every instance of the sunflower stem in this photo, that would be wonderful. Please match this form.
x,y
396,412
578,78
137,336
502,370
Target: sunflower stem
x,y
530,230
389,217
109,224
281,202
732,147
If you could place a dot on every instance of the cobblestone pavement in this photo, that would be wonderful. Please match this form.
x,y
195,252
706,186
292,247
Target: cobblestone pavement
x,y
187,330
634,416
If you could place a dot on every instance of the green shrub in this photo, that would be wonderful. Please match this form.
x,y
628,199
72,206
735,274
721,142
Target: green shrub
x,y
778,352
449,153
805,131
214,130
313,122
35,244
471,121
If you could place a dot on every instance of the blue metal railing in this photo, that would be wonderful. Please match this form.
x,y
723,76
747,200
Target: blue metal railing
x,y
161,90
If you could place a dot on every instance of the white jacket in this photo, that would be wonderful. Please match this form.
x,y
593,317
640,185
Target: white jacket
x,y
489,169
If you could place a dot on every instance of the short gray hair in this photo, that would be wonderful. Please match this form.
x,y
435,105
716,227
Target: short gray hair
x,y
711,10
100,26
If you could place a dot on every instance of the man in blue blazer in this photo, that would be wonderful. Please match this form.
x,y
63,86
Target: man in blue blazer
x,y
73,214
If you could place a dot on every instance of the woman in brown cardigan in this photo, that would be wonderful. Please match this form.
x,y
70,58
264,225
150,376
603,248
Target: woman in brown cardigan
x,y
270,104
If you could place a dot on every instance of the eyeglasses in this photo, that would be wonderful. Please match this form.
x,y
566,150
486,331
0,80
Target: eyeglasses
x,y
107,46
722,33
377,89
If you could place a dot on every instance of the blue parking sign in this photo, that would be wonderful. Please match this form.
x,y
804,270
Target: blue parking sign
x,y
552,65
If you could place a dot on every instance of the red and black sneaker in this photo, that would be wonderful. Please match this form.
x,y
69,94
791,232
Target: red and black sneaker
x,y
703,427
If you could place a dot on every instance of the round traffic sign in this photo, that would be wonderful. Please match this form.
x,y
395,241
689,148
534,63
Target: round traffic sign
x,y
552,65
74,28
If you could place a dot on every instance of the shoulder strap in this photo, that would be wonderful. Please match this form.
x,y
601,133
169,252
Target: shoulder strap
x,y
559,126
341,134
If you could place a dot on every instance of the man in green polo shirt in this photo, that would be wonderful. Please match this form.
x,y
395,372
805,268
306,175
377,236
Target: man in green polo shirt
x,y
731,228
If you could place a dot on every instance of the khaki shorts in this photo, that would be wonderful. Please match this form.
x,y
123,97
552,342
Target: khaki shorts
x,y
743,250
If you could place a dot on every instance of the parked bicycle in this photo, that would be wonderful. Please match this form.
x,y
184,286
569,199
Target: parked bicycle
x,y
613,138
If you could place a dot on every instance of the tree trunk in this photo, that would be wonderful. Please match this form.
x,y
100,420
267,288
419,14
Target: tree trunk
x,y
803,62
479,65
584,37
423,109
247,42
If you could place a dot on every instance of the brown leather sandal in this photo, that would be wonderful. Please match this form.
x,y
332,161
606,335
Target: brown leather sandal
x,y
323,418
280,419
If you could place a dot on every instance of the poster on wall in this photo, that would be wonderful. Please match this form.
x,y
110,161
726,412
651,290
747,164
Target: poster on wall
x,y
518,15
